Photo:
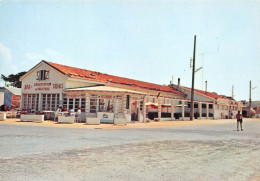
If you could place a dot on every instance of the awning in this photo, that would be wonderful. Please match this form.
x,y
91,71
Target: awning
x,y
103,89
155,105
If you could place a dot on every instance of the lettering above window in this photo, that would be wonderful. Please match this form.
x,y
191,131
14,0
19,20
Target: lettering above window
x,y
43,75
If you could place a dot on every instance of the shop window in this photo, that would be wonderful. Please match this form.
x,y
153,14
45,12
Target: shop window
x,y
37,102
83,105
50,102
105,104
77,102
65,104
31,102
70,104
44,96
25,100
93,103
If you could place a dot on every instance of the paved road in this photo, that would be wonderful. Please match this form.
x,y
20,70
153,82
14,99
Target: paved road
x,y
213,152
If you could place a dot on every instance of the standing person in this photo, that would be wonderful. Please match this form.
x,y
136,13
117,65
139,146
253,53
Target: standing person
x,y
78,113
58,113
239,120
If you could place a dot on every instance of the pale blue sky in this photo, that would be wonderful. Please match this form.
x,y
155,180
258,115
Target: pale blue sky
x,y
144,40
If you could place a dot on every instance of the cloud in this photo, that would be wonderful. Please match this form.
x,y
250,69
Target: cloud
x,y
6,61
5,54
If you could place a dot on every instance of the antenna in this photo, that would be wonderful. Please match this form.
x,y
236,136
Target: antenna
x,y
202,56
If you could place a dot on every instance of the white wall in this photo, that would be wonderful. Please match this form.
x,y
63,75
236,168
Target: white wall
x,y
2,97
197,96
29,83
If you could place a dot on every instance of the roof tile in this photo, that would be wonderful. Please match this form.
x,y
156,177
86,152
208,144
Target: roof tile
x,y
78,73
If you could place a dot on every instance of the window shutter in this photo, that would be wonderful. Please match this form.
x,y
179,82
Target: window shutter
x,y
38,75
47,74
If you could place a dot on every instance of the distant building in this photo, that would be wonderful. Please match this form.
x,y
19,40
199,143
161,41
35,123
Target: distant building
x,y
211,105
10,96
255,109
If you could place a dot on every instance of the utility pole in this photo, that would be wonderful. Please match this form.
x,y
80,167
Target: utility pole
x,y
250,101
193,80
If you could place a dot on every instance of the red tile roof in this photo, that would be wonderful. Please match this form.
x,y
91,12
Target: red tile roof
x,y
105,78
210,94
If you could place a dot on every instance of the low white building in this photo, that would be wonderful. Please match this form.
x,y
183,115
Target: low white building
x,y
49,85
216,106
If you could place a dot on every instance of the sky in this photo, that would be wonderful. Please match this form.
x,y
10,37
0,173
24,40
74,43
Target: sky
x,y
151,40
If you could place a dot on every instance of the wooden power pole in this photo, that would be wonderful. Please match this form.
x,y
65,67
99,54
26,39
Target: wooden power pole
x,y
250,101
193,80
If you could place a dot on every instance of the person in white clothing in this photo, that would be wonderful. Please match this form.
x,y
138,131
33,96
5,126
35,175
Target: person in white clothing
x,y
58,113
78,113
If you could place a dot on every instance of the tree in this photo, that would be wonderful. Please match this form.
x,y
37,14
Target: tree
x,y
14,79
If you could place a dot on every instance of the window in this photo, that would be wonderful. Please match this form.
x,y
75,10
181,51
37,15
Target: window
x,y
25,101
65,103
127,101
31,102
196,105
105,103
77,101
43,75
204,106
189,104
50,102
93,103
70,104
210,106
83,105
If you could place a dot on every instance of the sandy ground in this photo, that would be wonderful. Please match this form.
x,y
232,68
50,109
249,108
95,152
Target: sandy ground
x,y
180,150
153,124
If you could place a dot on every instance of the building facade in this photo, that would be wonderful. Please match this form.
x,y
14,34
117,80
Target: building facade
x,y
49,85
216,106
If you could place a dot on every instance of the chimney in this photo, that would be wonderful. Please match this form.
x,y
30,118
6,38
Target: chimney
x,y
179,82
206,86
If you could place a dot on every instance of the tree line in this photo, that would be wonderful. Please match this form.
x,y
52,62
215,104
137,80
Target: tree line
x,y
13,79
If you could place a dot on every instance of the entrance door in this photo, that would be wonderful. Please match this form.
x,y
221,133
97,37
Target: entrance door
x,y
134,111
